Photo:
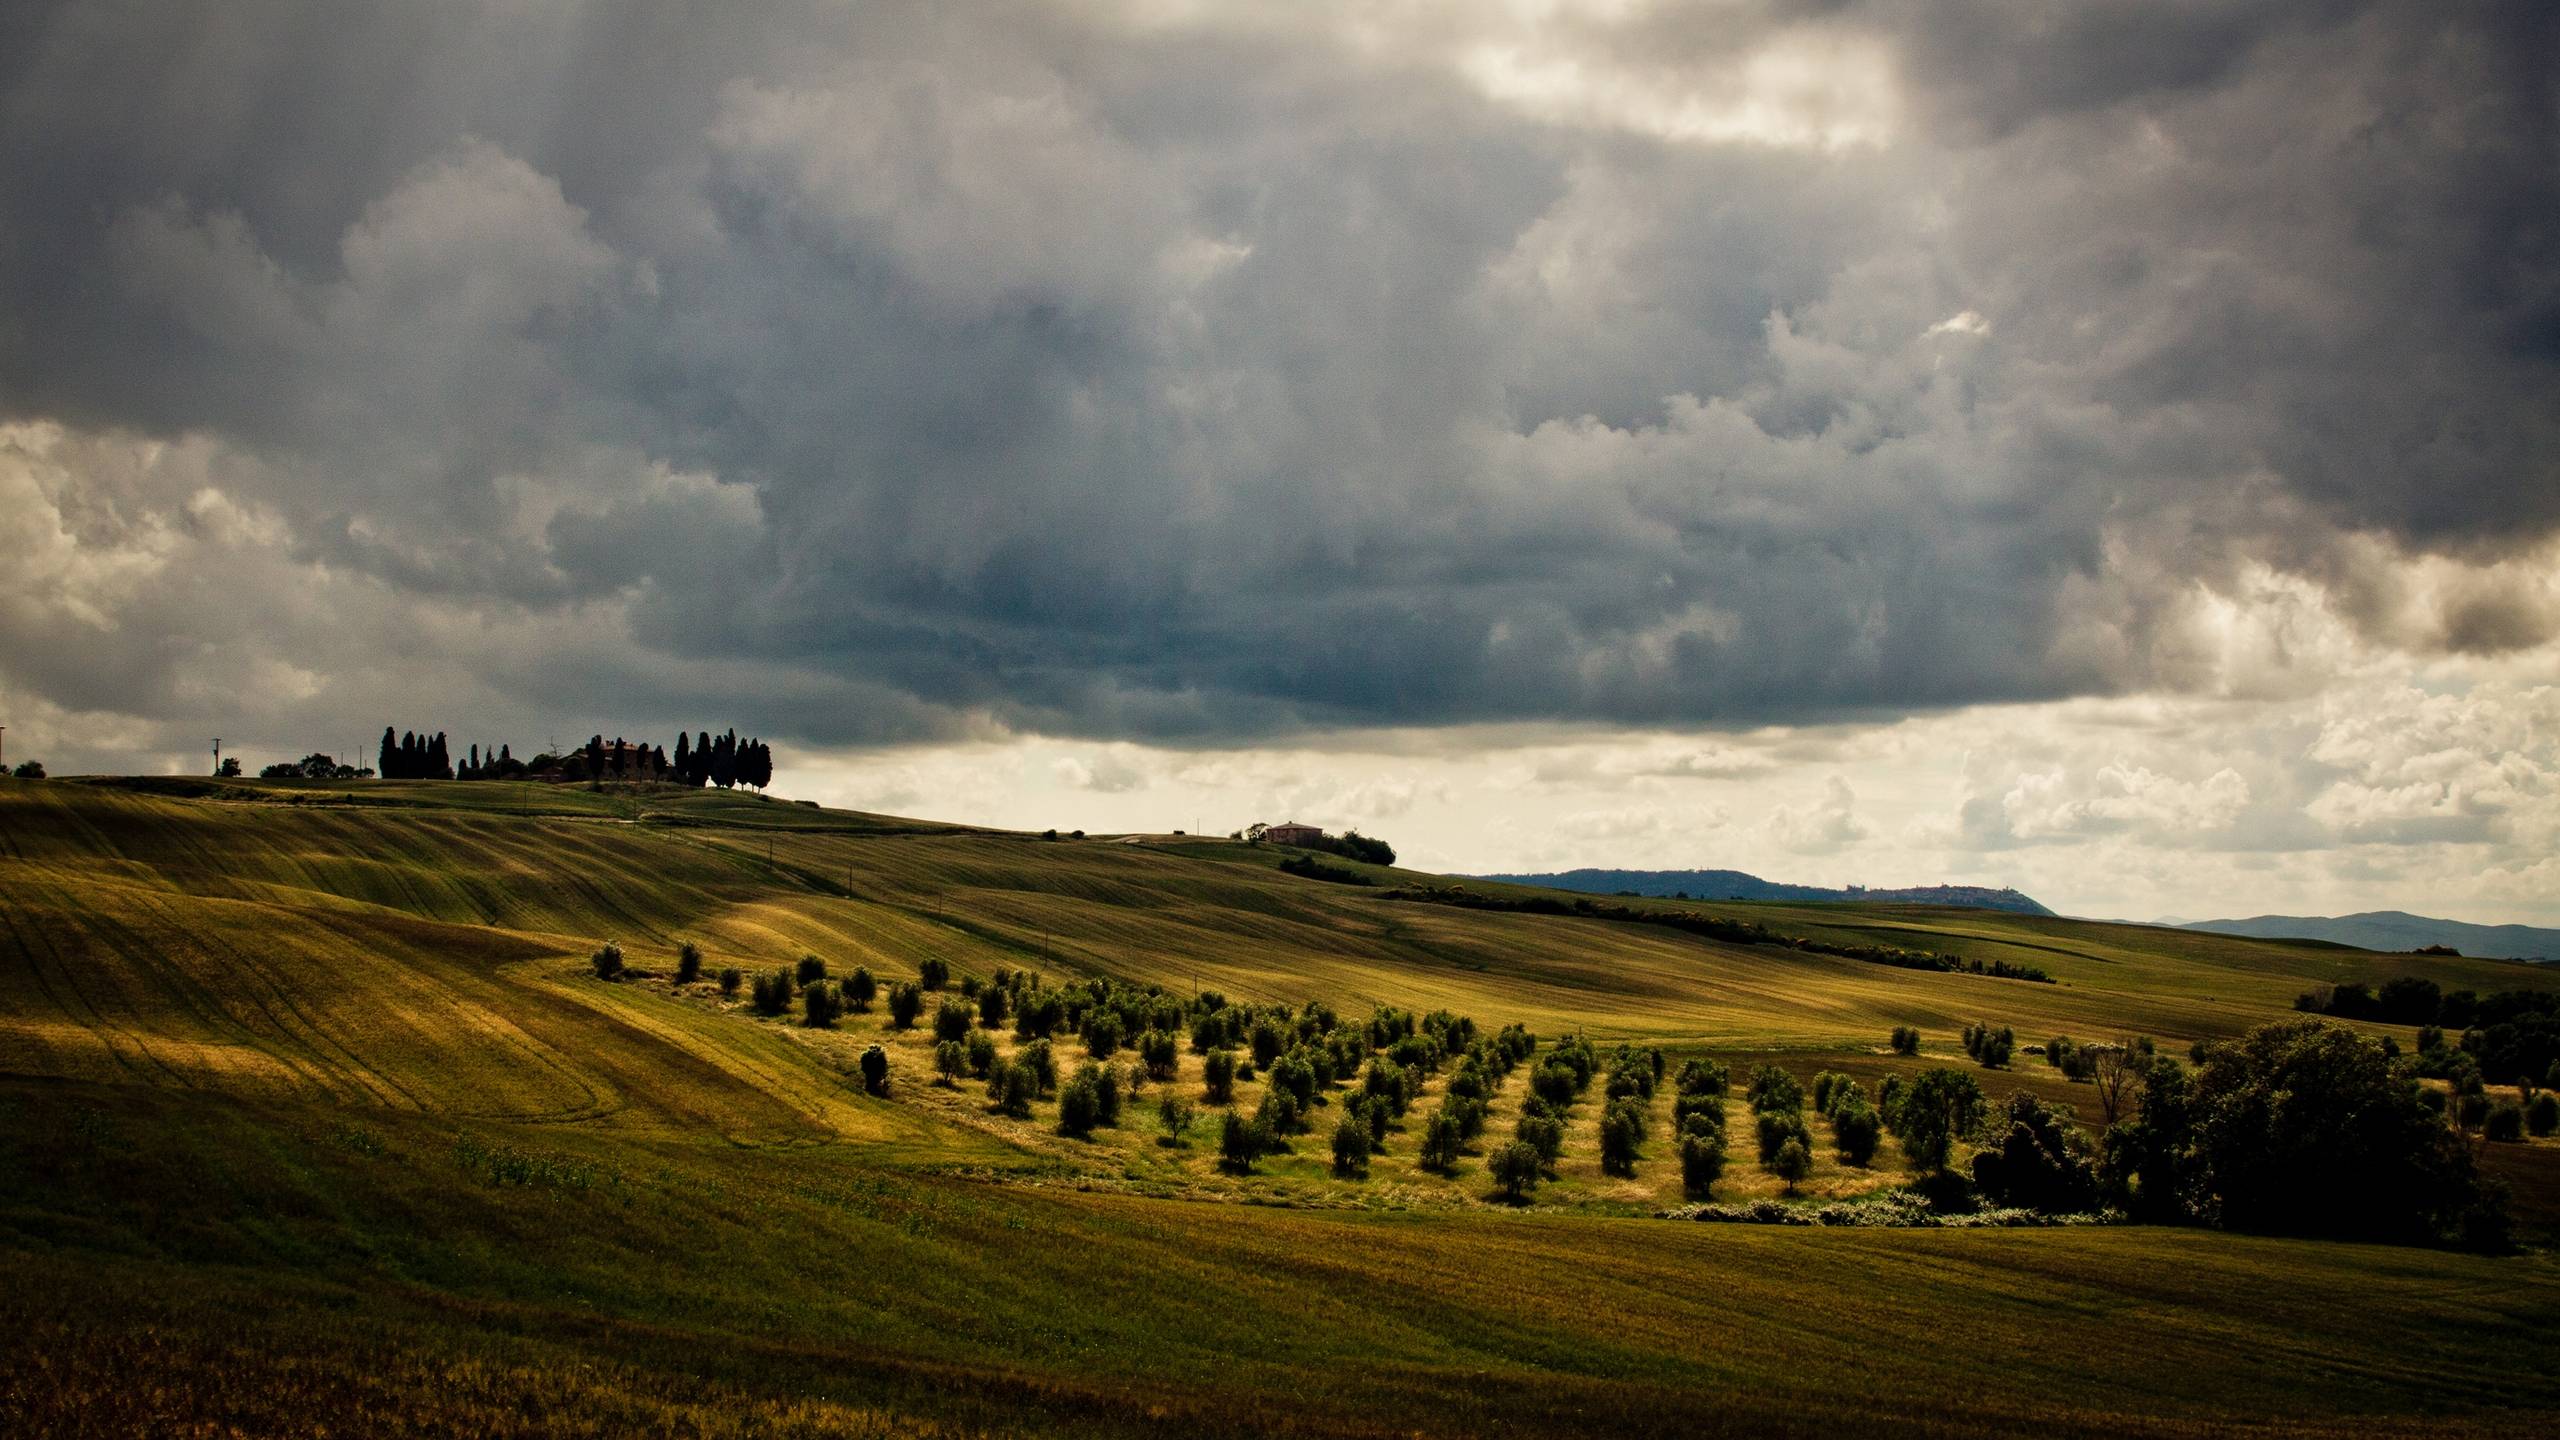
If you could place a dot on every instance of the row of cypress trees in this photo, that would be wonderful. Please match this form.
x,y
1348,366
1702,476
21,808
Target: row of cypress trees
x,y
700,759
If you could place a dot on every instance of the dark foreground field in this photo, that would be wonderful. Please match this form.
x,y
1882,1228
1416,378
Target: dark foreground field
x,y
314,1123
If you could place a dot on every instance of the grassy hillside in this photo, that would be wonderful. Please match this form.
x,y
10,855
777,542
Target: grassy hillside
x,y
313,1107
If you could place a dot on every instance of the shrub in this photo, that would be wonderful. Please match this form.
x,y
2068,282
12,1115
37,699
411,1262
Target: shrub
x,y
812,969
1708,1109
1441,1142
1043,1062
1102,1034
1845,1094
950,1062
1385,1087
1702,1077
1620,1135
862,989
951,1019
1633,1110
1278,1115
1906,1040
1037,1016
1823,1080
688,963
1296,1076
1266,1043
1351,1145
1990,1048
1107,1085
933,972
818,1007
905,1003
1160,1052
1775,1089
993,1006
607,961
730,980
1240,1143
1542,1135
1080,1103
1218,1077
1775,1128
1792,1163
1701,1163
1516,1168
2543,1115
1940,1108
1554,1084
773,993
1013,1087
1176,1115
2505,1123
875,1070
1854,1131
2040,1162
982,1054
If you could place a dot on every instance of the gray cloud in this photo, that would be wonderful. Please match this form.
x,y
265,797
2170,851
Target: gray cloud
x,y
889,372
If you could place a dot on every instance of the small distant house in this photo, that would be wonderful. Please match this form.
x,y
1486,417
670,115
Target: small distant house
x,y
1290,832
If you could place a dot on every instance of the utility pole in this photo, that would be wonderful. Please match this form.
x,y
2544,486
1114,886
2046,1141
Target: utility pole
x,y
217,754
4,749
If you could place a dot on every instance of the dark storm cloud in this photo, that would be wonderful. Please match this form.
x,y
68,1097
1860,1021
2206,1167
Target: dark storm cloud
x,y
879,370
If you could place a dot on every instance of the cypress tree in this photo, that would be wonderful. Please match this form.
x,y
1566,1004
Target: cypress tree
x,y
384,765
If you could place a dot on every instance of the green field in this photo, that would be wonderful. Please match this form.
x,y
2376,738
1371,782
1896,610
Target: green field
x,y
318,1120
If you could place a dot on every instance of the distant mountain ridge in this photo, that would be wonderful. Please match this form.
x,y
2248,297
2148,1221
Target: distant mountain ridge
x,y
1736,885
2395,930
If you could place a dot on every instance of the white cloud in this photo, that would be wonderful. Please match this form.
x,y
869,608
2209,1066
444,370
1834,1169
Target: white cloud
x,y
1820,827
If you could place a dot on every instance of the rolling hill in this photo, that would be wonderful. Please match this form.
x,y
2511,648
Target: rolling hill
x,y
1736,885
2396,930
311,1105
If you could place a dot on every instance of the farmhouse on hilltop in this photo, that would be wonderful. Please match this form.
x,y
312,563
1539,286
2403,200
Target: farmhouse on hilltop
x,y
1290,832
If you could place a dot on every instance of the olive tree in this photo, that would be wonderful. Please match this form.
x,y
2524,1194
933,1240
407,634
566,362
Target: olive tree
x,y
1516,1168
1792,1164
905,1003
1940,1108
1218,1076
1351,1145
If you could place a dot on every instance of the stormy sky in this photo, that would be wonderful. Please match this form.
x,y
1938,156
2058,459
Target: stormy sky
x,y
2109,448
